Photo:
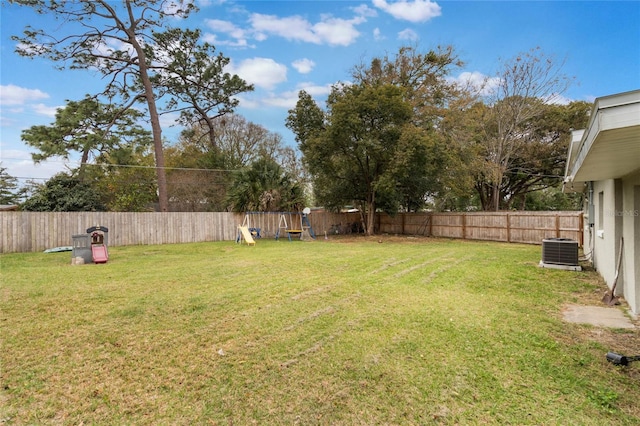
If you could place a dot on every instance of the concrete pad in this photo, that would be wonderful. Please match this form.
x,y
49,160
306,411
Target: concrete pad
x,y
597,316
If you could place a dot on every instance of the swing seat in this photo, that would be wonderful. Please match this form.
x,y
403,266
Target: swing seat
x,y
295,232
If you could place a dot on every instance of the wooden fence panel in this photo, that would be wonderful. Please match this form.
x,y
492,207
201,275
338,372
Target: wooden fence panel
x,y
519,227
447,225
486,226
35,231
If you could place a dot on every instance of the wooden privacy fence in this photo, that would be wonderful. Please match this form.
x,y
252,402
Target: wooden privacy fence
x,y
36,231
514,227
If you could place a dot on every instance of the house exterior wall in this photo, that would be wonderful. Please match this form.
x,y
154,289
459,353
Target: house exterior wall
x,y
604,238
604,161
617,215
631,233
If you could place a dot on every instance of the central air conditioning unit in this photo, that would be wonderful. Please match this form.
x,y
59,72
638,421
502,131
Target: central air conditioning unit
x,y
560,253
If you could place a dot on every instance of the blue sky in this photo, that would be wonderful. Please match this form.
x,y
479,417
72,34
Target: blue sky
x,y
285,46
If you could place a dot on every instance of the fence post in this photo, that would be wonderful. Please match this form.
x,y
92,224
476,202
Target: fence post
x,y
508,228
464,226
581,228
557,225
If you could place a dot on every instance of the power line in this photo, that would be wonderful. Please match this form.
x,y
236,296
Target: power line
x,y
133,166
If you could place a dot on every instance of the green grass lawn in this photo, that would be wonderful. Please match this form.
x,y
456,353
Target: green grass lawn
x,y
341,332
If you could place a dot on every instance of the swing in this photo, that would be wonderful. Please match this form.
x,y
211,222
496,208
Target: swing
x,y
253,231
282,224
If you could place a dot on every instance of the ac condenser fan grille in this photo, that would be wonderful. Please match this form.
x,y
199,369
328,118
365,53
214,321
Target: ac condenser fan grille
x,y
560,251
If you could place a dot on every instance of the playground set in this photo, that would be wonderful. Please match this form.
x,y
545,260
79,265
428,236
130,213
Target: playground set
x,y
90,247
291,224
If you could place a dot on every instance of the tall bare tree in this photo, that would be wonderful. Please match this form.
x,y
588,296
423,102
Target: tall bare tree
x,y
193,77
523,88
109,38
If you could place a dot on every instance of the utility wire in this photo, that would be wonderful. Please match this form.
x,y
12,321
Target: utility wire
x,y
133,166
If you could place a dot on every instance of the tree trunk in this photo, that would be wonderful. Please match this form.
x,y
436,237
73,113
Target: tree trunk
x,y
496,196
163,198
371,214
156,129
83,164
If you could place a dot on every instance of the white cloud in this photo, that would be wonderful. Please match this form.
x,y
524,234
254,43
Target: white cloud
x,y
32,49
109,47
169,119
211,39
6,121
20,165
263,72
175,8
247,102
227,27
314,89
408,34
337,31
287,99
42,109
377,34
412,11
364,11
14,95
303,66
557,99
214,40
330,30
477,82
239,35
291,28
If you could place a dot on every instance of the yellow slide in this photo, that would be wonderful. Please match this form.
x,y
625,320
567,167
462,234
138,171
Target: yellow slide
x,y
246,235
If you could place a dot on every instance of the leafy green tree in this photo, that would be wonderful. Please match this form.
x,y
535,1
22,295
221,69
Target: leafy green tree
x,y
112,39
417,167
366,149
88,127
125,179
9,189
306,120
433,97
460,127
265,186
422,75
63,193
553,199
